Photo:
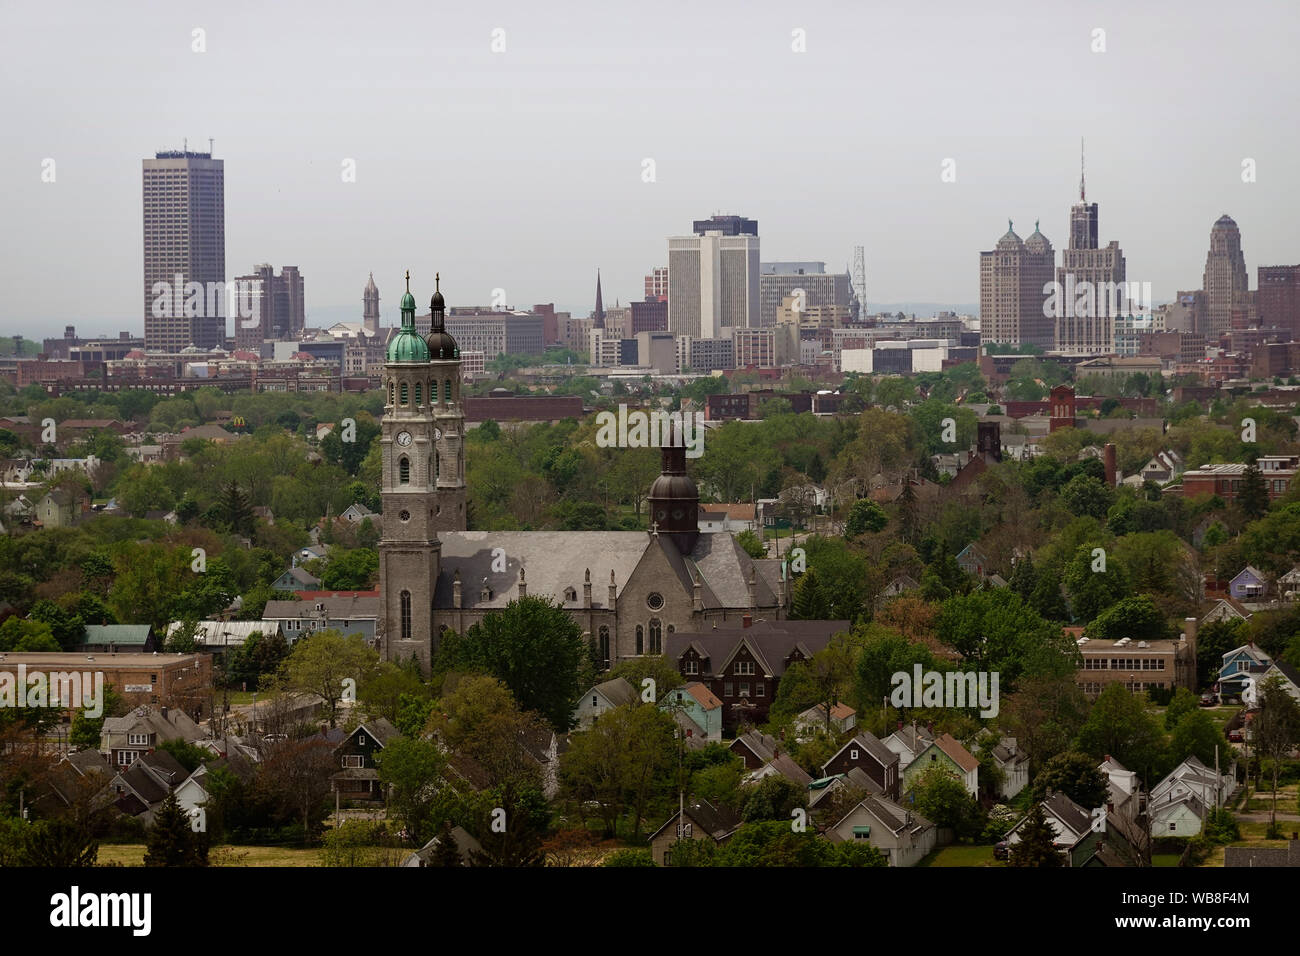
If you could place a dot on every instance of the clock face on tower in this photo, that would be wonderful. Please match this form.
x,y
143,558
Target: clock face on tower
x,y
404,438
437,434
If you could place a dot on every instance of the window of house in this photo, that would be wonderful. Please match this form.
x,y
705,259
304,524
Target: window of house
x,y
137,738
404,470
692,666
125,758
593,700
760,689
853,755
404,393
728,689
418,395
353,761
744,668
744,688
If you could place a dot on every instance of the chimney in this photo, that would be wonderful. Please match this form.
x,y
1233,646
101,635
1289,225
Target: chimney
x,y
1110,464
747,620
586,590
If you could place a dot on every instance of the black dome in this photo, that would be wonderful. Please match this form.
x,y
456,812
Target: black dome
x,y
442,345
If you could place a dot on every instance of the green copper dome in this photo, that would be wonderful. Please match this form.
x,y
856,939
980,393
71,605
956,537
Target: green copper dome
x,y
408,345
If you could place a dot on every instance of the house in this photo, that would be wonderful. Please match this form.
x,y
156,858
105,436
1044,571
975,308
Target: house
x,y
357,513
1124,792
780,765
755,749
1014,764
542,747
1179,802
1227,609
1071,824
908,742
465,845
61,508
899,834
1290,583
1288,855
140,788
855,783
350,615
728,517
866,752
698,704
699,821
309,553
358,778
124,740
1249,586
813,721
75,777
743,665
193,793
602,698
1163,468
945,751
1240,665
218,636
1290,677
296,579
972,560
110,638
899,585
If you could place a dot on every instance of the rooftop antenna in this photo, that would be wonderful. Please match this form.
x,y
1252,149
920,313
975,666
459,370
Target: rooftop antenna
x,y
1081,189
185,144
209,145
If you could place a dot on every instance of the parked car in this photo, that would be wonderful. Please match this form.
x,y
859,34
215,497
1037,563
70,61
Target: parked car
x,y
1209,700
1236,736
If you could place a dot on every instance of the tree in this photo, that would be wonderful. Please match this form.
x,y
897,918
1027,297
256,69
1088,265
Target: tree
x,y
865,517
234,510
1276,729
1252,497
1091,592
1075,774
510,836
172,840
478,718
1121,726
353,570
411,772
1036,846
1183,702
320,663
941,798
752,544
995,630
61,843
534,647
1133,617
774,798
664,672
1197,735
1044,714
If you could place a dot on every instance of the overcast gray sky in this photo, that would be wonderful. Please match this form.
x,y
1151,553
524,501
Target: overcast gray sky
x,y
523,169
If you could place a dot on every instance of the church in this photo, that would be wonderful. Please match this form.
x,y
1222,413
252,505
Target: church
x,y
626,589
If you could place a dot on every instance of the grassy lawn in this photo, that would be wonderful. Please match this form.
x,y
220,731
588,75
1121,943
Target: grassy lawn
x,y
132,854
962,856
1165,859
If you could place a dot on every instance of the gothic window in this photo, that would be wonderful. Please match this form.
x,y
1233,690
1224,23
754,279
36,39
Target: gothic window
x,y
640,639
404,393
656,636
404,471
446,390
418,395
406,615
604,644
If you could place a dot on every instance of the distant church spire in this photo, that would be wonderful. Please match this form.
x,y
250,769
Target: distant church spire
x,y
600,306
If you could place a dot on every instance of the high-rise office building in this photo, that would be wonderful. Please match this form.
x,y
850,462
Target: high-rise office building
x,y
656,284
713,278
780,279
1278,297
184,245
1090,283
1013,277
370,306
278,314
1226,283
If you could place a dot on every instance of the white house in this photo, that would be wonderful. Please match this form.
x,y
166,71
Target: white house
x,y
1186,793
1124,792
901,835
908,742
1014,764
601,698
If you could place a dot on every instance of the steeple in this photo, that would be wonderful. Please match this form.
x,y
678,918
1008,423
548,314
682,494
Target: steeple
x,y
600,306
407,346
674,499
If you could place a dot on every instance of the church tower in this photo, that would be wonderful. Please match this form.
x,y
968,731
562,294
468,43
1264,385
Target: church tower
x,y
370,307
448,462
409,551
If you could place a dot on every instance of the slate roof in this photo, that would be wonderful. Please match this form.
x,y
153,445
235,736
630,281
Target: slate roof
x,y
867,741
337,608
714,821
771,642
176,724
618,691
760,745
785,766
1288,855
959,754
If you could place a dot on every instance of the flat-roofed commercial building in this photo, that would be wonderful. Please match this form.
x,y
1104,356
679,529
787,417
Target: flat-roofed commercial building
x,y
172,680
1138,665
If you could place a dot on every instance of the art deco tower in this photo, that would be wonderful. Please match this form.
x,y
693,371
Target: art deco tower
x,y
1226,282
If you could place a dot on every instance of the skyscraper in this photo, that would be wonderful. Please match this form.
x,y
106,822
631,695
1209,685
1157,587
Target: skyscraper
x,y
1226,283
1278,297
370,306
1091,286
656,284
1013,276
713,278
780,279
184,199
279,314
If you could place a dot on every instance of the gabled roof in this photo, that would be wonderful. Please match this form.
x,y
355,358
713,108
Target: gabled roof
x,y
130,635
760,745
1070,814
716,822
618,691
379,729
959,754
786,767
864,740
817,713
914,737
770,642
889,814
1253,571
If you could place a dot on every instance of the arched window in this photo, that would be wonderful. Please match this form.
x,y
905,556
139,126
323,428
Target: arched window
x,y
640,639
656,636
604,644
404,471
406,615
404,393
419,395
446,390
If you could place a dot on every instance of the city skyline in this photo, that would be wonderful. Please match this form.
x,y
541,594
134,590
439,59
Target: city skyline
x,y
537,222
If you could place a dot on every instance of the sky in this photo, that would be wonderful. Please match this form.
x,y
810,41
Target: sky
x,y
525,169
